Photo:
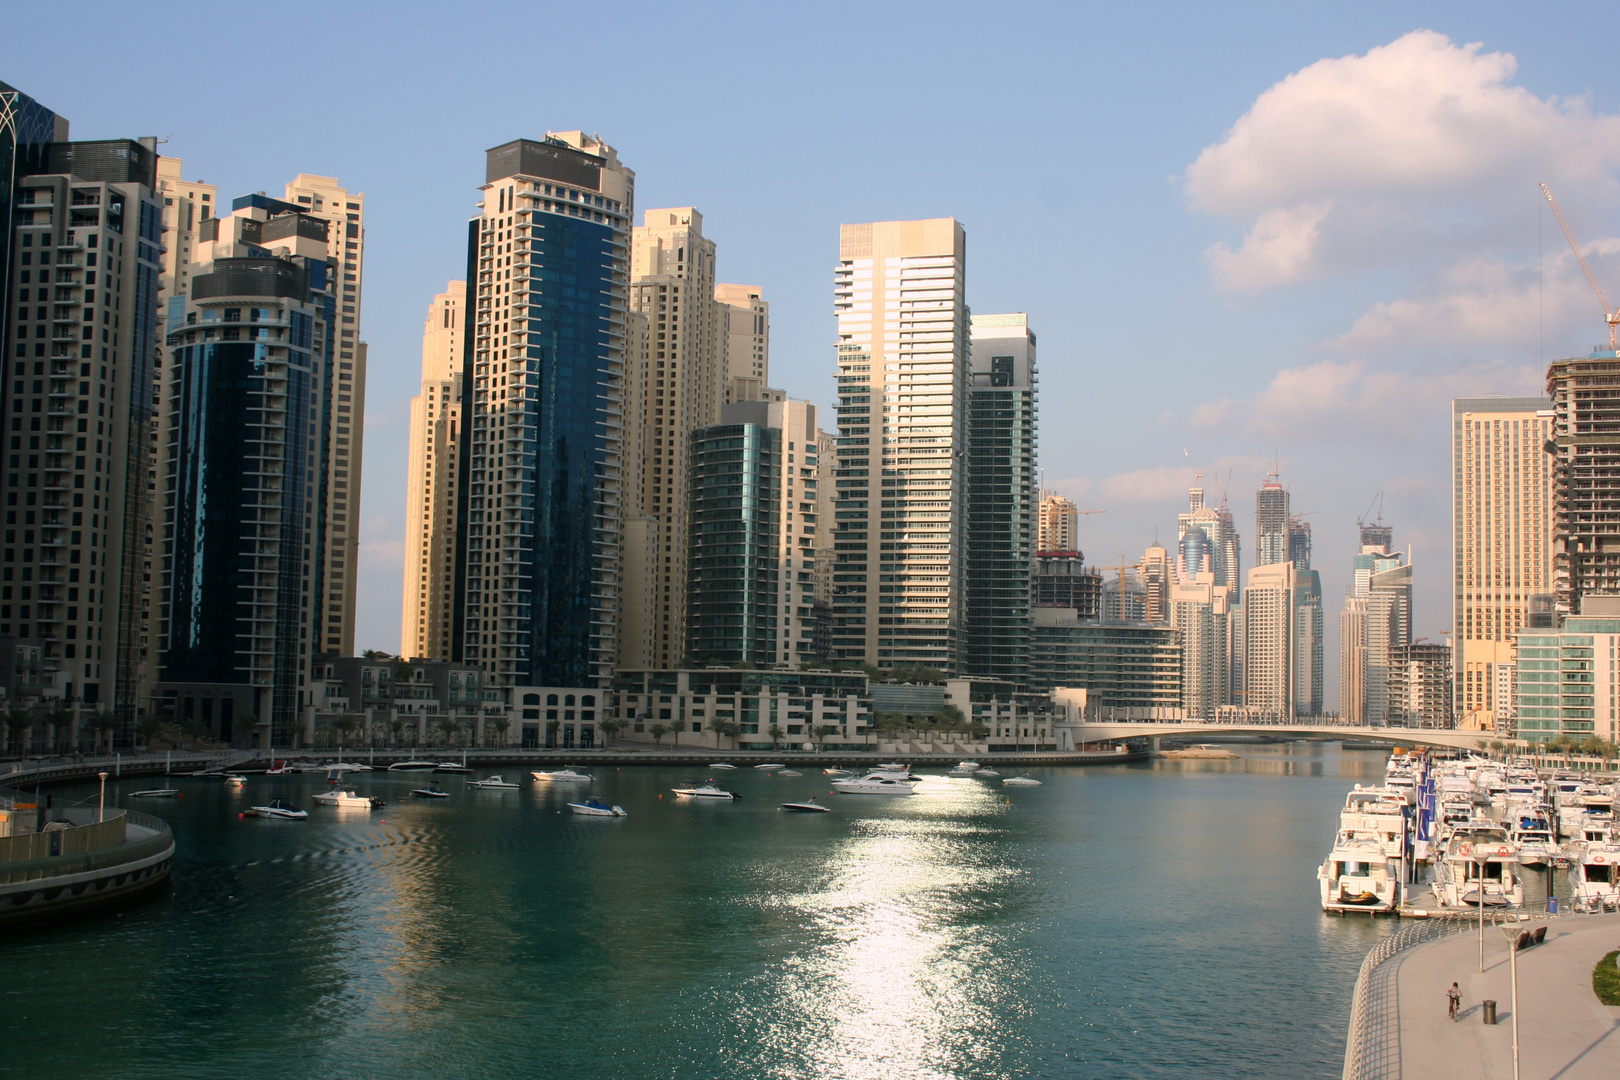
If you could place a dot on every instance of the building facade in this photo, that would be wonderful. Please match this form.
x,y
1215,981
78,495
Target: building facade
x,y
900,475
745,336
1586,477
1569,680
430,482
538,545
1270,642
1129,670
1001,506
1059,525
1063,580
1502,539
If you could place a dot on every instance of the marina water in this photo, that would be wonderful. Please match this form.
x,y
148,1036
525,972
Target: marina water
x,y
1149,920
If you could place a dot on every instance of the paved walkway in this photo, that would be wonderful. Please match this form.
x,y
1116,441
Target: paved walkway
x,y
1564,1031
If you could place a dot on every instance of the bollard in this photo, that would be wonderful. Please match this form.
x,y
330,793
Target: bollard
x,y
1488,1010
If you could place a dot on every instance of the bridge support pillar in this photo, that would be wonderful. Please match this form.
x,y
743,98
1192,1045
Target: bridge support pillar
x,y
1155,745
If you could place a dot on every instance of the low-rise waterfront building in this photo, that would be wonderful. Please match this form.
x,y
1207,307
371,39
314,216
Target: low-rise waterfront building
x,y
1131,670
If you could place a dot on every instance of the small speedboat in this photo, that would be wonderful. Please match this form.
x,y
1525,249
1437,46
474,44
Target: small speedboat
x,y
894,766
985,771
836,772
768,768
157,793
789,772
413,766
491,782
346,797
810,806
450,767
707,791
596,808
720,765
964,768
280,768
432,791
346,766
208,774
235,781
278,808
1021,781
563,776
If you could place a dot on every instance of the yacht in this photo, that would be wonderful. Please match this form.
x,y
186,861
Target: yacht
x,y
233,780
809,806
450,767
876,783
721,765
346,766
1479,866
432,791
563,776
1359,876
964,768
1021,781
281,768
346,797
491,782
707,791
413,766
596,808
768,768
156,793
1594,877
836,772
894,766
985,771
790,772
1531,831
279,808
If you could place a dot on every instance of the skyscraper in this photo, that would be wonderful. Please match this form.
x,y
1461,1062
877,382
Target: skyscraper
x,y
1376,621
430,502
1586,477
249,405
322,197
548,281
900,476
1200,610
1001,505
1059,525
1270,643
684,381
1503,521
745,328
1157,575
1271,524
753,532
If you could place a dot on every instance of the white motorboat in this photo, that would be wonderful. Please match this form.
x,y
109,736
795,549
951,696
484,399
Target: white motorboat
x,y
1021,781
707,791
809,806
563,776
413,766
156,793
1531,830
234,780
964,768
873,784
596,808
721,765
1360,876
768,768
450,767
836,772
985,771
347,766
207,774
432,791
346,798
281,768
894,766
278,808
1479,866
491,782
1594,877
790,772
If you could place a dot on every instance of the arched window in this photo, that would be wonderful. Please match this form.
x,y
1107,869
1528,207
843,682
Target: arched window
x,y
551,699
569,700
588,700
528,699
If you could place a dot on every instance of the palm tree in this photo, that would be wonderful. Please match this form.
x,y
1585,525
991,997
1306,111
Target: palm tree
x,y
499,727
396,728
677,727
821,731
776,735
147,728
104,722
729,730
609,728
1497,746
552,727
18,720
59,719
658,731
449,726
345,725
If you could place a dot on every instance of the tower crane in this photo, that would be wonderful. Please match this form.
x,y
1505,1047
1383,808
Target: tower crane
x,y
1610,315
1087,515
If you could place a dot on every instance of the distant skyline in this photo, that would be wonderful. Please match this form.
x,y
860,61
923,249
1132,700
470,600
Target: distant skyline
x,y
1282,234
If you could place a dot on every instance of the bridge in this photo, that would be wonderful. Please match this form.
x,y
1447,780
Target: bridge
x,y
1108,731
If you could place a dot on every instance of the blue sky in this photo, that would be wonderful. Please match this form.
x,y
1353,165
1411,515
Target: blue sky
x,y
1230,250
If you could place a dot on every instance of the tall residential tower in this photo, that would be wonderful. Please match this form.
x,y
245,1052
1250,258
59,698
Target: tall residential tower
x,y
430,502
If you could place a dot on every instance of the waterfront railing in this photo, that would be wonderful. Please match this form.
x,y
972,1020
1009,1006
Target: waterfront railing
x,y
157,841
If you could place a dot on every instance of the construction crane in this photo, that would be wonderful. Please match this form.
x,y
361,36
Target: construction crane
x,y
1087,515
1610,315
1121,566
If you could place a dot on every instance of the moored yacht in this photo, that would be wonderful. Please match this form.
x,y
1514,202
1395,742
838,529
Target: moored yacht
x,y
1479,866
706,791
874,783
1359,875
594,807
413,766
347,798
1021,781
1594,877
278,808
964,768
491,782
563,776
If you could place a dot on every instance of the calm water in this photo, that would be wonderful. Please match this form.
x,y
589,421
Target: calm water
x,y
1155,920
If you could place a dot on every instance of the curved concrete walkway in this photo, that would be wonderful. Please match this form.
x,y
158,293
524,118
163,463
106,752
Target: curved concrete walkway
x,y
1564,1031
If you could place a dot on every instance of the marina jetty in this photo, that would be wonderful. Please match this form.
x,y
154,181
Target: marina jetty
x,y
1400,1026
61,861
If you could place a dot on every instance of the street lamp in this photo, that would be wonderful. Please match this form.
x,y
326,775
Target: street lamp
x,y
101,814
1512,934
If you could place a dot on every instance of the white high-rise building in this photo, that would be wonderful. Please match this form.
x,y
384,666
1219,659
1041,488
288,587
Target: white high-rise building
x,y
1270,642
430,501
1059,525
745,328
903,366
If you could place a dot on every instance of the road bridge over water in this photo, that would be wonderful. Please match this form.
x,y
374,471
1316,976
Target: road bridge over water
x,y
1104,731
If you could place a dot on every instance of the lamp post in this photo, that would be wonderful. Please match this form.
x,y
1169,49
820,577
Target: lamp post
x,y
101,813
1479,884
1512,934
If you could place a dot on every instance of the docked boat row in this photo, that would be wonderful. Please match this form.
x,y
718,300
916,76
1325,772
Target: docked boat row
x,y
1466,832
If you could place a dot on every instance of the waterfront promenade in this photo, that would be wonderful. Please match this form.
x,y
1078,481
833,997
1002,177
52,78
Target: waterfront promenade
x,y
1564,1031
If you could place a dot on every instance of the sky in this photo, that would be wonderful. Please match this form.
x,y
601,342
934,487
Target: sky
x,y
1279,238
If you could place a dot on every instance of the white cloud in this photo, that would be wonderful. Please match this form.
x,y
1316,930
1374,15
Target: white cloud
x,y
1419,149
1148,485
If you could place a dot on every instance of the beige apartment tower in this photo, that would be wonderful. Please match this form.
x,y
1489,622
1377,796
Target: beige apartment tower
x,y
1502,545
903,367
683,382
430,501
1059,525
745,329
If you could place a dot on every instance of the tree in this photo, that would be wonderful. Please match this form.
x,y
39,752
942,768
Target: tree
x,y
146,728
376,654
396,728
951,718
776,735
499,727
194,728
1497,746
60,721
102,722
821,731
449,726
552,727
889,722
677,727
729,730
345,725
609,728
18,721
658,731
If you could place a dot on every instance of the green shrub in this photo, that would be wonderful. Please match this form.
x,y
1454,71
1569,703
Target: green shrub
x,y
1606,979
